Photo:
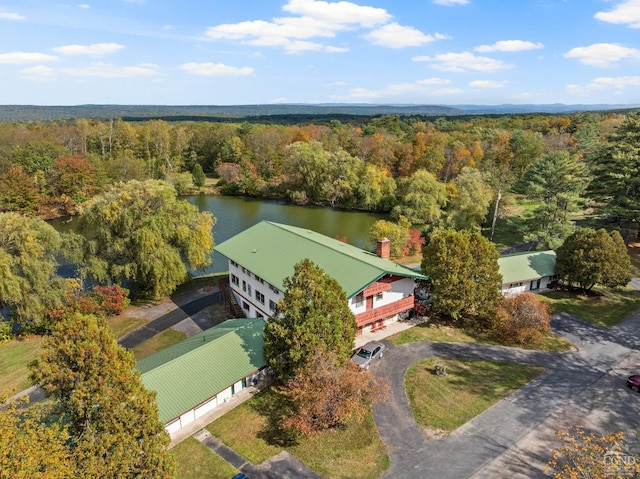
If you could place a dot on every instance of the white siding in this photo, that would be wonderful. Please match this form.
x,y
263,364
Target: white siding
x,y
524,286
173,427
246,288
187,418
224,395
206,407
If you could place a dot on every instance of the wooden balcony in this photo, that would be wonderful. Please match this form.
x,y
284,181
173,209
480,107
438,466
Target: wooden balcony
x,y
385,311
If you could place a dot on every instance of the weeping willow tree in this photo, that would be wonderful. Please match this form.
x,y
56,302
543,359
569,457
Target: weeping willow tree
x,y
141,235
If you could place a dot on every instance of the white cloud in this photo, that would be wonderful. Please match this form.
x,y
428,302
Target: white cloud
x,y
25,57
215,69
320,19
616,84
465,61
10,16
38,73
449,3
338,13
84,6
488,84
509,46
106,70
95,49
422,86
603,54
626,12
394,35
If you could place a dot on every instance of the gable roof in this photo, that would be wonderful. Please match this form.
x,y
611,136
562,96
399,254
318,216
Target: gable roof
x,y
527,266
270,250
190,372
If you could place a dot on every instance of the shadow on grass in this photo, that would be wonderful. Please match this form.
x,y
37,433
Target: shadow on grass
x,y
274,407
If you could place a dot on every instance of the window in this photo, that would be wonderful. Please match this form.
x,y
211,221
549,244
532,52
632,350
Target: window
x,y
249,289
245,306
259,297
258,278
235,280
272,305
274,289
379,297
234,263
244,270
359,299
244,285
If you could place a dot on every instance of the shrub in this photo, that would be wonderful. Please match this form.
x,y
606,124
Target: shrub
x,y
523,319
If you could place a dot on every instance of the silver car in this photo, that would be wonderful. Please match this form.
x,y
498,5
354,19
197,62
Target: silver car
x,y
367,354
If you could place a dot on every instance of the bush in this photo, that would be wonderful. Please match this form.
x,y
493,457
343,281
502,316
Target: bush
x,y
523,319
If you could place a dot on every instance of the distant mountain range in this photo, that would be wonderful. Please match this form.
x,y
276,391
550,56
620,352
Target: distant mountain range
x,y
274,112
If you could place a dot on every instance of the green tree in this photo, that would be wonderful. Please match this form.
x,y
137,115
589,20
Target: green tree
x,y
589,257
559,182
376,190
32,445
468,207
29,283
421,198
313,315
112,419
616,183
397,233
140,234
198,175
463,269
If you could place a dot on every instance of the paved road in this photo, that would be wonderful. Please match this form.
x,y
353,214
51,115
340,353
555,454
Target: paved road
x,y
168,320
514,437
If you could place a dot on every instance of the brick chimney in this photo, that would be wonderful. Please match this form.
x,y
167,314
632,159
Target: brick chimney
x,y
383,248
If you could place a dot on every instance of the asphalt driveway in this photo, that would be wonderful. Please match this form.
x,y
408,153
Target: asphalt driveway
x,y
515,437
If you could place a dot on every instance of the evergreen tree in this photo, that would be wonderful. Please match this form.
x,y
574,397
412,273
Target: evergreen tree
x,y
198,175
113,422
141,234
463,270
589,257
616,183
312,316
559,182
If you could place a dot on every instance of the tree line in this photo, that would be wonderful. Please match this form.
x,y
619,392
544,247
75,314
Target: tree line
x,y
447,171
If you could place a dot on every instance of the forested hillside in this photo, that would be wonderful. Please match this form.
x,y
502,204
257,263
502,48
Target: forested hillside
x,y
449,171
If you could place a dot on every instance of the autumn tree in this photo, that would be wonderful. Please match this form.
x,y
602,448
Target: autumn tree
x,y
585,454
112,420
29,283
140,234
376,190
589,257
396,232
313,315
523,319
463,270
616,184
327,396
17,191
75,177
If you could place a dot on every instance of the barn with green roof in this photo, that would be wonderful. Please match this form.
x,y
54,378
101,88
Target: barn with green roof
x,y
530,271
261,257
193,377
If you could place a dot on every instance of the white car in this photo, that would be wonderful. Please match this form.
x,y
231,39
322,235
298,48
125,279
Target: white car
x,y
367,354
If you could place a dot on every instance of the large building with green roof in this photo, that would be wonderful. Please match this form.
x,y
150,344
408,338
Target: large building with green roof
x,y
530,271
193,377
261,257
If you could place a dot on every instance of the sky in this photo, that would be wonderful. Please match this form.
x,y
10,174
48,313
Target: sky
x,y
239,52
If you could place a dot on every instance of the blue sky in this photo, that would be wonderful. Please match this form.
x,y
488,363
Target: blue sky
x,y
213,52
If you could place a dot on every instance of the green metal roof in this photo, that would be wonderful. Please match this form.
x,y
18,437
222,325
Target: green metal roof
x,y
527,266
271,250
186,374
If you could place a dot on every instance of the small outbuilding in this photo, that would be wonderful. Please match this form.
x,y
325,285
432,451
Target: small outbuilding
x,y
530,271
196,375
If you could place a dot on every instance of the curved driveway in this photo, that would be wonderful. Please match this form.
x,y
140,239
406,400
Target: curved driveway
x,y
514,438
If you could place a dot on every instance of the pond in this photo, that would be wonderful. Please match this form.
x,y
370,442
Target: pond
x,y
235,214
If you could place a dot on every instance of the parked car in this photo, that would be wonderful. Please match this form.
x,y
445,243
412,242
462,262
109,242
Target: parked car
x,y
240,475
367,354
634,382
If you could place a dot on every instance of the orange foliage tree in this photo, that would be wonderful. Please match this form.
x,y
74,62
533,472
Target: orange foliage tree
x,y
523,319
326,396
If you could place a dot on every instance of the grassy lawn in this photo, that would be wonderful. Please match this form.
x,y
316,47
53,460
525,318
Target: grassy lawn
x,y
445,403
454,333
15,356
195,461
607,309
198,283
121,324
160,341
251,429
